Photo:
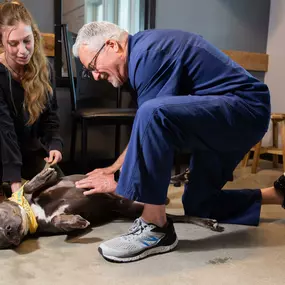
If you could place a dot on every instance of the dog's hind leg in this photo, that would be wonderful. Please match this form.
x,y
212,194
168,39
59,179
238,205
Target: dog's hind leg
x,y
202,222
63,223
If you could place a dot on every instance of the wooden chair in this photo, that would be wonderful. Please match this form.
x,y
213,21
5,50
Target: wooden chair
x,y
84,109
276,119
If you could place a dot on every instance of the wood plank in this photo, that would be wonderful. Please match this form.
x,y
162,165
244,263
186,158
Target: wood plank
x,y
269,149
48,41
251,61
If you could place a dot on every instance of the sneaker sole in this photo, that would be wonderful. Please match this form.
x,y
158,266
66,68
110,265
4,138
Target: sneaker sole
x,y
146,253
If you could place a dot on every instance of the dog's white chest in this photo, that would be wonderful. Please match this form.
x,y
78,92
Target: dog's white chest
x,y
41,215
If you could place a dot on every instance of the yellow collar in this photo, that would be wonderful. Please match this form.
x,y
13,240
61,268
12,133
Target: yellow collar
x,y
19,198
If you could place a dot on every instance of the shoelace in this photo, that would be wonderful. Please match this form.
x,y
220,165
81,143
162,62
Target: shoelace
x,y
135,230
137,227
134,227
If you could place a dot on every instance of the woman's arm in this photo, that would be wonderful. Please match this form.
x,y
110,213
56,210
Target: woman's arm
x,y
10,154
50,126
49,120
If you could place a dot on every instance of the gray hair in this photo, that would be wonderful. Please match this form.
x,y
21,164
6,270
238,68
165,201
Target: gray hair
x,y
95,34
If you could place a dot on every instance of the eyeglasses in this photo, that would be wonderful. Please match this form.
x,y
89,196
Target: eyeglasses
x,y
87,72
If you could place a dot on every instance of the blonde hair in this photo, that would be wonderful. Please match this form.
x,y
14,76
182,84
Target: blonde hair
x,y
36,79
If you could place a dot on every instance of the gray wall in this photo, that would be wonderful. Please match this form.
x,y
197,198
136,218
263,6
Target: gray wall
x,y
228,24
42,11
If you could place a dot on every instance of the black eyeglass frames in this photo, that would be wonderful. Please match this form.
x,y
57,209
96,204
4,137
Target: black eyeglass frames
x,y
87,72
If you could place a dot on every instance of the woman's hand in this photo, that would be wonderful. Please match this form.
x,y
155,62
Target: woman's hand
x,y
15,186
54,157
97,183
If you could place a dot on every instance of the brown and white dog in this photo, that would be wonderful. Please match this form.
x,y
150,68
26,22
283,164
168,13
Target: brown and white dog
x,y
59,207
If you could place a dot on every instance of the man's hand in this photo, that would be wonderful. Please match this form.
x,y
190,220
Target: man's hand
x,y
54,157
97,183
15,186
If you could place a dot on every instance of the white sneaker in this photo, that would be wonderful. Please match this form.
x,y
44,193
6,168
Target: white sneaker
x,y
142,240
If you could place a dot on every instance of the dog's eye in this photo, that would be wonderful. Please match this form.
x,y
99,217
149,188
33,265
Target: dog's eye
x,y
8,228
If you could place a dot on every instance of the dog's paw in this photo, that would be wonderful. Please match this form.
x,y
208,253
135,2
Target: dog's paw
x,y
213,225
77,222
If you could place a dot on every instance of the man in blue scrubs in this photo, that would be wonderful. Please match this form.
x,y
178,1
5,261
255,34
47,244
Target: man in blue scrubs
x,y
190,96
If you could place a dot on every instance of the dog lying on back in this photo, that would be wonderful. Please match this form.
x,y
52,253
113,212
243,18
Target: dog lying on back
x,y
50,205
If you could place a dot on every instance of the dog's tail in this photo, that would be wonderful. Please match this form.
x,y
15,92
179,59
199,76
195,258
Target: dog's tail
x,y
182,178
202,222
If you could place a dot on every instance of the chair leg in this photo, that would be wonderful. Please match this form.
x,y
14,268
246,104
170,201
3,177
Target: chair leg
x,y
283,142
256,155
275,143
84,128
73,139
245,160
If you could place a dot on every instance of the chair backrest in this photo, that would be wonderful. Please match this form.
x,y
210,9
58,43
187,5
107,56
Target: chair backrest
x,y
68,42
86,92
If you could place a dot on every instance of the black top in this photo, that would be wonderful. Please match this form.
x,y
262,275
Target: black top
x,y
16,137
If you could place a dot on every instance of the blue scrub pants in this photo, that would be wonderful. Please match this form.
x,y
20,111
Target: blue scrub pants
x,y
218,130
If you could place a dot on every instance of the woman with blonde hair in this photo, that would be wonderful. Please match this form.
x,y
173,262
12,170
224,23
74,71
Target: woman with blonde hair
x,y
29,123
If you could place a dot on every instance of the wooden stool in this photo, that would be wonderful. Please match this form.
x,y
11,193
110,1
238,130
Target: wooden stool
x,y
258,149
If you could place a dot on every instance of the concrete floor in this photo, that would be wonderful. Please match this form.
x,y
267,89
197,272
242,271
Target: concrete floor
x,y
241,255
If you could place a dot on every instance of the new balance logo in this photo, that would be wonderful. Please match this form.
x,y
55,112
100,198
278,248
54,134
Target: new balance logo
x,y
148,241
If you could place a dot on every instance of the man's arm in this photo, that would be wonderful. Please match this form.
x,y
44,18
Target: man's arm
x,y
113,168
153,73
119,162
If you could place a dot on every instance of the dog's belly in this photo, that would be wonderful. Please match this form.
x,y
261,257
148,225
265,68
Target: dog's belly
x,y
65,198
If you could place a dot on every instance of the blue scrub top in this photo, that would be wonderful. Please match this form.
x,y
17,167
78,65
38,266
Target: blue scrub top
x,y
173,62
